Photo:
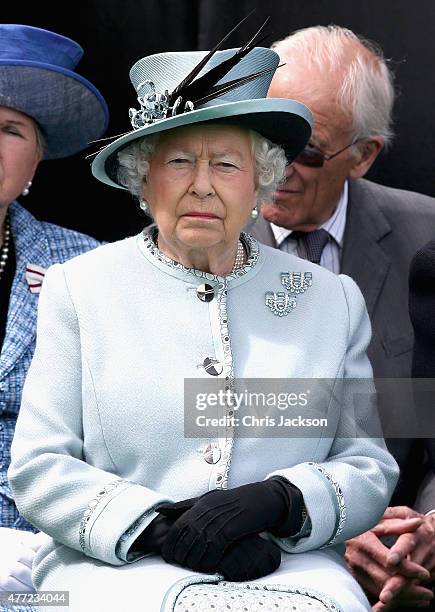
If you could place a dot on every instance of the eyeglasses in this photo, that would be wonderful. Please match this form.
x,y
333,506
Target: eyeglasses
x,y
314,158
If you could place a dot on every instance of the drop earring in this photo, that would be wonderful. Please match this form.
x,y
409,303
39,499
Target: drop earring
x,y
254,213
143,204
26,189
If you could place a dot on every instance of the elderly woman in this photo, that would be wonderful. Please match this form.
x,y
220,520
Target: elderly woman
x,y
47,111
140,515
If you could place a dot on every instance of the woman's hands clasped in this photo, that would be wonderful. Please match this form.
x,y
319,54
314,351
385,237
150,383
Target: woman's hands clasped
x,y
218,531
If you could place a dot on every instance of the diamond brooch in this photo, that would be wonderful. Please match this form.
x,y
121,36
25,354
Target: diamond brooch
x,y
281,303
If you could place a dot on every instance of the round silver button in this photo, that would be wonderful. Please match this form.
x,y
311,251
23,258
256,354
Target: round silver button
x,y
205,292
212,366
212,454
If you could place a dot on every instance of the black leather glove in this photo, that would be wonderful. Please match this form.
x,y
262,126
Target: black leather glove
x,y
250,558
211,523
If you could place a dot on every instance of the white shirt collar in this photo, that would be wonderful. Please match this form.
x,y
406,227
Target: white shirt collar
x,y
335,225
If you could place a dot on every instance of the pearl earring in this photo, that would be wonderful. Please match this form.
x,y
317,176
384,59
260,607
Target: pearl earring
x,y
254,213
143,204
26,189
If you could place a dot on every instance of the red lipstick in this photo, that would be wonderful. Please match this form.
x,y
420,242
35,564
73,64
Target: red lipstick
x,y
201,215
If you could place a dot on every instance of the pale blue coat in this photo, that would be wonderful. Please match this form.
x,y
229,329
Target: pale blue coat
x,y
100,440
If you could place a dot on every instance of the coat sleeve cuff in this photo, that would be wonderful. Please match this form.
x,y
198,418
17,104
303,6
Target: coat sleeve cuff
x,y
119,510
130,536
324,506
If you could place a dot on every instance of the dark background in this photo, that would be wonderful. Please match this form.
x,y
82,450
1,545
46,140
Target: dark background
x,y
115,33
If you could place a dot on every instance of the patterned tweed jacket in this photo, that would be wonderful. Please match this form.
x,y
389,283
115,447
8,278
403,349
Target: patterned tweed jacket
x,y
38,245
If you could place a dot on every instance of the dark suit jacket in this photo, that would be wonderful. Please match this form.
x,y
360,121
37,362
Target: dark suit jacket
x,y
384,228
422,312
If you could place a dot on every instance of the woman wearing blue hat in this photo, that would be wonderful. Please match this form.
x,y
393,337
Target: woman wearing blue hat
x,y
146,509
47,111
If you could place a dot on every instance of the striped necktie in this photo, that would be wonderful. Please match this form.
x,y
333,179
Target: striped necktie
x,y
314,243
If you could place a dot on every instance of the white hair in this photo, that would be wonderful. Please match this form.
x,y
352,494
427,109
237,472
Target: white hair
x,y
365,87
269,164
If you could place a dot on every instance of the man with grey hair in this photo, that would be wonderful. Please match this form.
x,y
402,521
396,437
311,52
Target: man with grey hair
x,y
327,212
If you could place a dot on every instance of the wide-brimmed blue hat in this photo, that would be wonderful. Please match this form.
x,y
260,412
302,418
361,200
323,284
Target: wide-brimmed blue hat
x,y
37,78
225,87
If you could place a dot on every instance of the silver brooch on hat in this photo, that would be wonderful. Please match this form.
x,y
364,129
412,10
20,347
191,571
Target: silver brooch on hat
x,y
281,303
153,105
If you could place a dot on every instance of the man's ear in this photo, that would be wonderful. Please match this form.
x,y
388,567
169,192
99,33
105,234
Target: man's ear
x,y
368,152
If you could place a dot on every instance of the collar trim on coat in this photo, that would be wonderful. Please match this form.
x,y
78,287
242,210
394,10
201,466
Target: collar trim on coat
x,y
150,235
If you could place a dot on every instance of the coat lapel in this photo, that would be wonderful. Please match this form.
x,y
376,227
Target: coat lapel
x,y
363,258
31,247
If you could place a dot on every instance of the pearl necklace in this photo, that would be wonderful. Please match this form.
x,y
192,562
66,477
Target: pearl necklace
x,y
4,252
240,257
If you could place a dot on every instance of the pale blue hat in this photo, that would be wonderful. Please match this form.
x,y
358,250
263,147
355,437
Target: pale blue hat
x,y
156,78
37,78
